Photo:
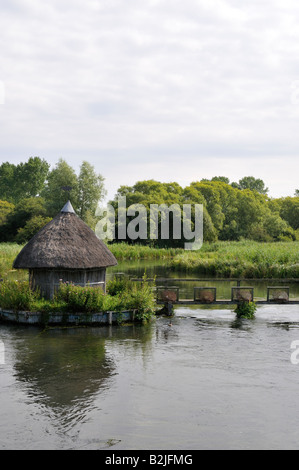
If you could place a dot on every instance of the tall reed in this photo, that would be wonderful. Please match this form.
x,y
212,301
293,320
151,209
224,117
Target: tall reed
x,y
8,252
242,259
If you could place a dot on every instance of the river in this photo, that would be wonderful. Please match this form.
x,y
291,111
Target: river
x,y
200,380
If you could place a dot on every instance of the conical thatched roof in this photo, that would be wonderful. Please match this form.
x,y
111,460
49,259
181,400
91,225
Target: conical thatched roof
x,y
65,242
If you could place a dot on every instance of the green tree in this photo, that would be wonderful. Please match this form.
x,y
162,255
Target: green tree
x,y
222,179
193,196
277,228
254,184
173,195
90,191
22,213
290,211
61,176
23,180
251,209
7,182
31,227
212,199
5,209
31,177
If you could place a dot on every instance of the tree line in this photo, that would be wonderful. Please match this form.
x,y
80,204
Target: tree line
x,y
32,193
231,211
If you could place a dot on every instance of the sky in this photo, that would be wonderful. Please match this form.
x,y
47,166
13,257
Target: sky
x,y
153,89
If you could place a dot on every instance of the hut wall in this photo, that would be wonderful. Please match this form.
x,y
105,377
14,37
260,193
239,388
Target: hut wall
x,y
48,280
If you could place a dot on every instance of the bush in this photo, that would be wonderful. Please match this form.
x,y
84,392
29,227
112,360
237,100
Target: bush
x,y
118,284
80,299
246,310
122,294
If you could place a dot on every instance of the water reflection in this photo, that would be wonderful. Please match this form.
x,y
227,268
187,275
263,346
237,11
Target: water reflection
x,y
63,370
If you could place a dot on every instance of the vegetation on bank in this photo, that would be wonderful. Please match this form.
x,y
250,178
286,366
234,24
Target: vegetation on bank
x,y
122,295
124,251
244,259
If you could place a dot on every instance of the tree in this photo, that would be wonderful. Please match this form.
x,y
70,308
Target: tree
x,y
290,211
5,209
7,182
254,184
30,177
222,179
212,199
23,180
171,195
31,227
90,190
250,211
62,176
277,228
20,215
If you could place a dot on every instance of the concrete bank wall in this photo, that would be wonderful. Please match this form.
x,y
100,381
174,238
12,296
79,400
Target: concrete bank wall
x,y
38,318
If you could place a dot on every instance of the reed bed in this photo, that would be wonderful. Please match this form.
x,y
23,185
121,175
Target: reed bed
x,y
245,259
124,251
8,252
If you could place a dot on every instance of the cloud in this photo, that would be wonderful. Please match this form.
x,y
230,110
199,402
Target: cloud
x,y
157,82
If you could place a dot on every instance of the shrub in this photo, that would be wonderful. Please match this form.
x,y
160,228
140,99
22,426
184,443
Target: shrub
x,y
80,299
118,284
245,310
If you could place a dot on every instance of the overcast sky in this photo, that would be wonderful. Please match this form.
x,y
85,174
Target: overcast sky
x,y
153,89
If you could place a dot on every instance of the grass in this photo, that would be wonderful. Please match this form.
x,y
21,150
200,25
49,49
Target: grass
x,y
247,259
8,252
123,251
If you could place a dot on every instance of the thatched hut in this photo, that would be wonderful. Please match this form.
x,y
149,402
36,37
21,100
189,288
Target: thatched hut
x,y
66,250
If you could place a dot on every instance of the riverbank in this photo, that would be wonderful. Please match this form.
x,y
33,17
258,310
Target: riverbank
x,y
247,259
122,252
123,301
243,259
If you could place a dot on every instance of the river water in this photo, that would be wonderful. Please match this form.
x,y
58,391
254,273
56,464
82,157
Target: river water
x,y
200,380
